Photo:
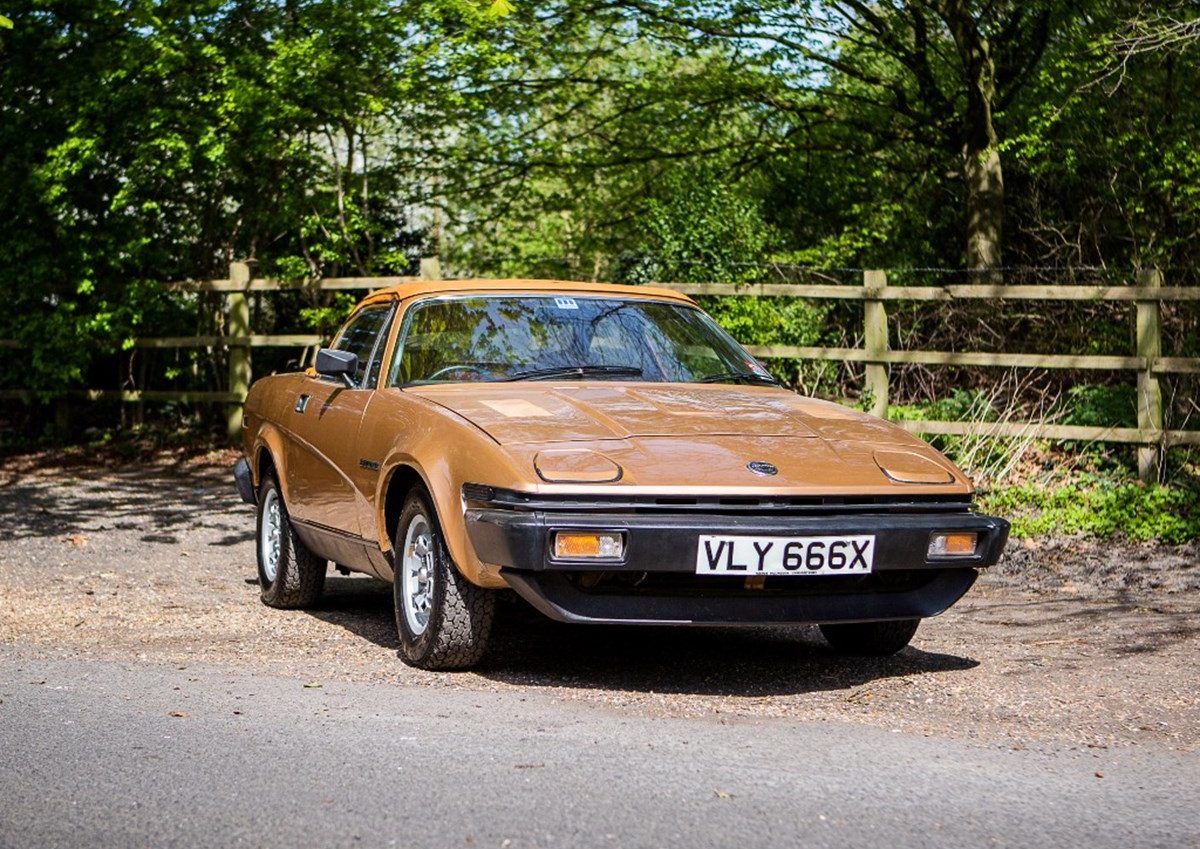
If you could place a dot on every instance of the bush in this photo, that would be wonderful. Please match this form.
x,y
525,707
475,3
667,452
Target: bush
x,y
1101,506
963,405
701,231
1101,406
769,321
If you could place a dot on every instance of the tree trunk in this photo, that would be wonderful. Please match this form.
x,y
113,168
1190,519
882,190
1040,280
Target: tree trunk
x,y
985,210
982,172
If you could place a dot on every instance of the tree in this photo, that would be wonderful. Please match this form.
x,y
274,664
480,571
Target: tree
x,y
1109,175
154,140
864,77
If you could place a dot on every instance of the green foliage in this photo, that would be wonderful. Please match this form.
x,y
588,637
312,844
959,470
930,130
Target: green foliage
x,y
1096,116
499,8
150,140
1101,406
766,321
1099,506
963,405
165,138
699,230
328,318
987,460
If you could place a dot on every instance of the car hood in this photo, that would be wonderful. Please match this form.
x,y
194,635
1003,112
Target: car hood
x,y
695,437
520,413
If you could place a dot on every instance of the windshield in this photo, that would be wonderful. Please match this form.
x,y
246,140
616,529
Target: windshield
x,y
544,337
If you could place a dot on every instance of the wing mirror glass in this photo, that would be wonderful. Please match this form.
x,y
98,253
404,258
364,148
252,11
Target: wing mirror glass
x,y
342,364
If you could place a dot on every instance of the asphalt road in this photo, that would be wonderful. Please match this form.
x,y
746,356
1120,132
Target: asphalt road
x,y
92,755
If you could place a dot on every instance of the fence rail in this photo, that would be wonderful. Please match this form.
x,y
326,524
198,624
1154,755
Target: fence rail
x,y
963,292
1146,361
296,340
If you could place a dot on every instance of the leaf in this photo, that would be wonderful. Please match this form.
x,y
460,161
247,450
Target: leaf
x,y
500,8
313,685
5,23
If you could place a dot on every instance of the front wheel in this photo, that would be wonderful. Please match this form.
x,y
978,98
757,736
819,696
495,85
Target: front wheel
x,y
874,639
289,574
444,621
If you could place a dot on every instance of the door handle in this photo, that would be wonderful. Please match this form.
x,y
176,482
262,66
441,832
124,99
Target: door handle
x,y
301,403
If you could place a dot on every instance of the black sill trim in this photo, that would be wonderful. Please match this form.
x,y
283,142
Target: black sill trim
x,y
483,496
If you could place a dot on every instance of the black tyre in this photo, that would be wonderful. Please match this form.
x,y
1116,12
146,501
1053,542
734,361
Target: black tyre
x,y
873,639
290,575
444,621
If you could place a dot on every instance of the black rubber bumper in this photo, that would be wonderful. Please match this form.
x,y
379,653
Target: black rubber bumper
x,y
905,583
244,481
668,543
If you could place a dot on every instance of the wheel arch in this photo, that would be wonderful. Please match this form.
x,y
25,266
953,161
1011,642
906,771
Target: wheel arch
x,y
445,500
398,482
269,455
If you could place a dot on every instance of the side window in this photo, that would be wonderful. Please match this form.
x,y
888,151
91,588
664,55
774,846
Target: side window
x,y
359,337
425,345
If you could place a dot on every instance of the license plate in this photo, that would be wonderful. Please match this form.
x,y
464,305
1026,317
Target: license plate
x,y
741,555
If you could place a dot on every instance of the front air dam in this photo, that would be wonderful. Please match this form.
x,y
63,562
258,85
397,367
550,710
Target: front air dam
x,y
557,596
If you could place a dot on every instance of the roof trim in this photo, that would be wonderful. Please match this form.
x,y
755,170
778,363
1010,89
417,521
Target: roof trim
x,y
514,285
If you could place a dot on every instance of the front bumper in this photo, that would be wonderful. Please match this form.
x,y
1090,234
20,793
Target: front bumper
x,y
244,481
655,581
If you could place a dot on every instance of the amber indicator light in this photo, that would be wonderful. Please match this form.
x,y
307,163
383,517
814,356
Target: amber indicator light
x,y
602,545
953,544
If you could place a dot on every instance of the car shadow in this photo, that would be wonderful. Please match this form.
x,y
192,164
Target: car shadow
x,y
712,661
360,604
529,650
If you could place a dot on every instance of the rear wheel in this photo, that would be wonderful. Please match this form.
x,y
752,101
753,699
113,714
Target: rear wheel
x,y
870,638
444,621
290,575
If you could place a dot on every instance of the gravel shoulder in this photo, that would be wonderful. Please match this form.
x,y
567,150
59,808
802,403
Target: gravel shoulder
x,y
1079,644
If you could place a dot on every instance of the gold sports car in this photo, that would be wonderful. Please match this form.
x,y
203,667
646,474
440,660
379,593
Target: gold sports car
x,y
608,454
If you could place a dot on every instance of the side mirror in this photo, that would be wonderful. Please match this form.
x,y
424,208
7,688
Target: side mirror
x,y
341,364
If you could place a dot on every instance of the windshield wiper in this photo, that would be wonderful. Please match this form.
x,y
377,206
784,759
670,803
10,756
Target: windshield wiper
x,y
748,376
573,371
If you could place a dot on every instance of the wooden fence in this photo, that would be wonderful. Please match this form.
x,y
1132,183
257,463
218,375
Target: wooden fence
x,y
1146,362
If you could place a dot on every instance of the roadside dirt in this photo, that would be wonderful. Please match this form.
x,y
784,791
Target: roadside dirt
x,y
1083,642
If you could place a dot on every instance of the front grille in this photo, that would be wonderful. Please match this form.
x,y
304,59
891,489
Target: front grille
x,y
479,495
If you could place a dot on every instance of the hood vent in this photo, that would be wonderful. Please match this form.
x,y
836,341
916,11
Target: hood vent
x,y
908,467
575,466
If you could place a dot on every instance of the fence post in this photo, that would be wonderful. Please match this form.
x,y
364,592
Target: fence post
x,y
1149,394
431,268
62,418
238,324
875,338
